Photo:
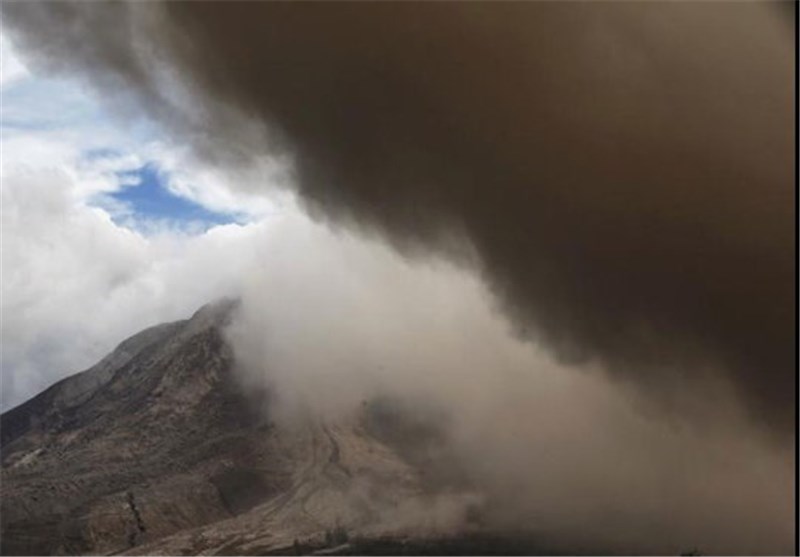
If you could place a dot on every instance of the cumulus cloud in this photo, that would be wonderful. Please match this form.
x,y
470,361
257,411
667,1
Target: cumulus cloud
x,y
77,279
220,190
75,283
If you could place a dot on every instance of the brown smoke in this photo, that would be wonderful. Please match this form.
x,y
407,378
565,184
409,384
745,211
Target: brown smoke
x,y
545,448
623,172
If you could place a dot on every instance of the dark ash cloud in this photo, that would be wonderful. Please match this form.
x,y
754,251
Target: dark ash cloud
x,y
623,173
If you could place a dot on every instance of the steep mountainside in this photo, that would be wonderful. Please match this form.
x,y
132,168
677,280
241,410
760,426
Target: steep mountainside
x,y
159,449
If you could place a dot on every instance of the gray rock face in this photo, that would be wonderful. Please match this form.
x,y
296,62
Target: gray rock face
x,y
82,461
159,449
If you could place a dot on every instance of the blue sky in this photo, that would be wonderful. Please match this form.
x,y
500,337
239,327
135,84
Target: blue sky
x,y
148,198
146,183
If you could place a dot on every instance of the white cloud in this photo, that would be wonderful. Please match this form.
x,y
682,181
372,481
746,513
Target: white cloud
x,y
75,282
11,67
220,189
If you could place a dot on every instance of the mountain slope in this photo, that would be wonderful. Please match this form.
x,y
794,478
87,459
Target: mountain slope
x,y
147,418
159,449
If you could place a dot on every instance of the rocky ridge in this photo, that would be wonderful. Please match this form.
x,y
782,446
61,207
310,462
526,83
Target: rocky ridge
x,y
159,449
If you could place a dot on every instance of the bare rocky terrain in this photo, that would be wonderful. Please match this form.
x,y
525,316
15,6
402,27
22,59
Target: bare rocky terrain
x,y
159,449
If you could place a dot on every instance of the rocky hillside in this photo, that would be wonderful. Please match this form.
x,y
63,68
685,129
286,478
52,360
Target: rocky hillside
x,y
158,449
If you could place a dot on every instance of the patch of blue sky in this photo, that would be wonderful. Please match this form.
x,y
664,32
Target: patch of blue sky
x,y
146,202
63,111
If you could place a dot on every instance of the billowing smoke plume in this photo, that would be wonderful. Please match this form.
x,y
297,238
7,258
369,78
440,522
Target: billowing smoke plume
x,y
619,178
330,323
621,174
